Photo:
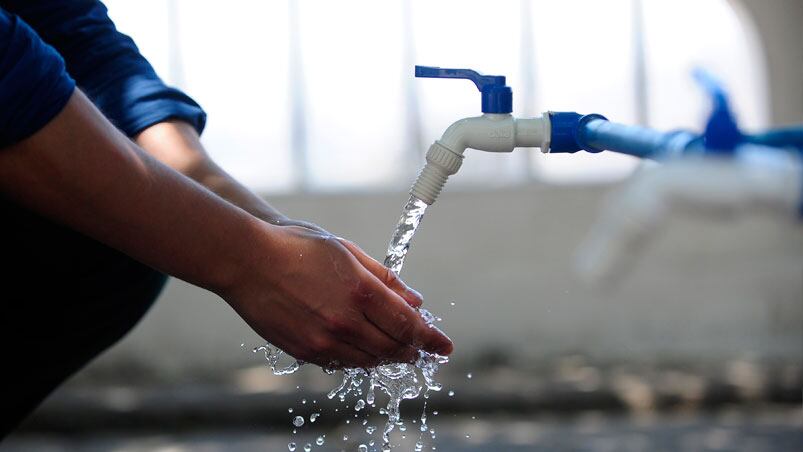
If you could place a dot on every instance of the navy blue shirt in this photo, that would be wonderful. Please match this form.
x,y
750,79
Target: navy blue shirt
x,y
49,46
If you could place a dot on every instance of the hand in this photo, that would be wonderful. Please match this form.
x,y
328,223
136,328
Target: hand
x,y
384,274
323,300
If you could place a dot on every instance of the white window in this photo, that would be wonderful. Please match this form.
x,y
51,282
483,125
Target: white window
x,y
320,95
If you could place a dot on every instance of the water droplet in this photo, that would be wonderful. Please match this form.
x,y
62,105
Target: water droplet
x,y
469,376
468,436
402,428
307,447
298,421
289,410
362,448
319,441
451,393
359,405
451,304
345,437
314,416
434,413
419,446
303,401
291,447
370,429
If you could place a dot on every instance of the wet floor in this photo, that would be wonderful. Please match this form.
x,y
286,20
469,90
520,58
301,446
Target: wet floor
x,y
775,430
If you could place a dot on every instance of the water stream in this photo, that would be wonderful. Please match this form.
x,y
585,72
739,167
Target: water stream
x,y
398,381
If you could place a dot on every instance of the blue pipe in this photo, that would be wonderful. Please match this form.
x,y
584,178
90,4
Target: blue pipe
x,y
784,137
572,132
600,134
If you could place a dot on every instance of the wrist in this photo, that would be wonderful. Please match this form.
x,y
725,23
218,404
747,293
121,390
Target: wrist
x,y
251,249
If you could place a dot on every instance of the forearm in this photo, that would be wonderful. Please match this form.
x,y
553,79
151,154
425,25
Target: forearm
x,y
80,171
177,145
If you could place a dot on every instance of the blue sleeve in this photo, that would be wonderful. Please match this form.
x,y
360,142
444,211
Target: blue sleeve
x,y
34,85
106,64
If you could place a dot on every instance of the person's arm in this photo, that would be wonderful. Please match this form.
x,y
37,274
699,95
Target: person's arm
x,y
302,290
177,144
108,67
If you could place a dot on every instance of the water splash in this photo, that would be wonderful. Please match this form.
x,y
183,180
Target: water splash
x,y
399,381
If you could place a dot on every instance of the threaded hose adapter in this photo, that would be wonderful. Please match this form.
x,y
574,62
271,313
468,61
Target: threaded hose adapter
x,y
441,163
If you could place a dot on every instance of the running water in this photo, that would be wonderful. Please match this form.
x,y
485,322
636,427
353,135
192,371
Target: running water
x,y
399,381
400,242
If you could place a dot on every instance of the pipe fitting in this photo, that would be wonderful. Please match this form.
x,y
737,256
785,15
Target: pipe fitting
x,y
441,163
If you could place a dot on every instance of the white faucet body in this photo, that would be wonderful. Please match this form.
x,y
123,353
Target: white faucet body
x,y
755,178
490,132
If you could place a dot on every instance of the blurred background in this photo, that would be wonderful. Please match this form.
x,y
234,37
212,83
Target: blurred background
x,y
314,105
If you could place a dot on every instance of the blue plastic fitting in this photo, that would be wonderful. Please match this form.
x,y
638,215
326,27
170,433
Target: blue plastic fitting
x,y
497,97
567,129
722,134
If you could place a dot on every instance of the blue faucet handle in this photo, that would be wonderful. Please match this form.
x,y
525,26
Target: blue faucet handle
x,y
496,96
482,81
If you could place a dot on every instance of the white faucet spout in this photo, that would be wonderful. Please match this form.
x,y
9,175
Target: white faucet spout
x,y
491,132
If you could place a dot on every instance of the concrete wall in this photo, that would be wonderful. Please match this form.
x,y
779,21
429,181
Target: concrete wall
x,y
777,23
705,291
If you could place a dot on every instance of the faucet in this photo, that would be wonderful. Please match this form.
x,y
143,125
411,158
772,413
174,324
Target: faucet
x,y
721,167
496,130
720,173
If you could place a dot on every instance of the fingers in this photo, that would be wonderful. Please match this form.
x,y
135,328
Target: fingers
x,y
303,224
327,350
372,340
360,333
398,320
384,274
347,355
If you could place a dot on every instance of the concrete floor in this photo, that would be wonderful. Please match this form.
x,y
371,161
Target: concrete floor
x,y
776,429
